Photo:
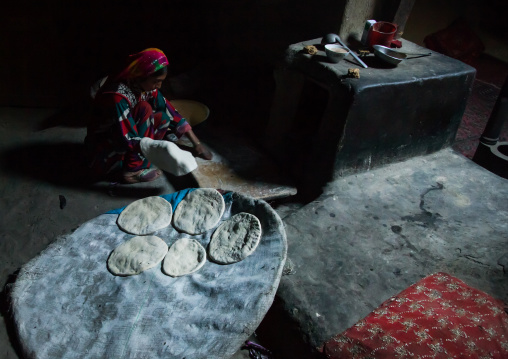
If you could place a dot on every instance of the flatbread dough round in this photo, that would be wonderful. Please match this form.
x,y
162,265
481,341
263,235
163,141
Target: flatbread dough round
x,y
184,257
235,239
137,255
145,216
199,211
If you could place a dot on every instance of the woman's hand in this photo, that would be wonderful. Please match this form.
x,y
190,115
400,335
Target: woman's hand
x,y
203,152
199,149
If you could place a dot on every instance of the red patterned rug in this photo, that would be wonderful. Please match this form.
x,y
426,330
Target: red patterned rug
x,y
438,317
491,74
459,40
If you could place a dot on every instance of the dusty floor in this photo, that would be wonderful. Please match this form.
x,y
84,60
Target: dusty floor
x,y
45,192
371,235
40,167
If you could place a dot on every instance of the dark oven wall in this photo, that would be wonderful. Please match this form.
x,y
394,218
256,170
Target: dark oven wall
x,y
52,51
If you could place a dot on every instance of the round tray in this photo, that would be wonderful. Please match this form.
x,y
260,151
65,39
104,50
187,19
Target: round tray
x,y
66,304
193,111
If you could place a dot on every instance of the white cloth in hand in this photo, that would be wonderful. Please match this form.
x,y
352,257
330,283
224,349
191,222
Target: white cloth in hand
x,y
168,157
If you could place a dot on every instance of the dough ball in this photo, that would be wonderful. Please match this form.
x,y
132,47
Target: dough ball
x,y
184,257
199,211
137,255
145,216
310,49
235,239
354,73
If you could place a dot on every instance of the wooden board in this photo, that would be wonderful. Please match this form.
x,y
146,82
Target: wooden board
x,y
240,167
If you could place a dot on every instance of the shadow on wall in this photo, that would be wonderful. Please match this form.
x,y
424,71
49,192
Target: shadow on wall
x,y
57,49
63,164
487,19
60,163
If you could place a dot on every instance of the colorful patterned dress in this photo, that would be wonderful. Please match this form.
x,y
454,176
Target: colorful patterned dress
x,y
120,119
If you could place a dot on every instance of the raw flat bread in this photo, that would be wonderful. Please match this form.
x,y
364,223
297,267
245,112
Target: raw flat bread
x,y
184,257
235,239
199,211
137,255
145,216
168,156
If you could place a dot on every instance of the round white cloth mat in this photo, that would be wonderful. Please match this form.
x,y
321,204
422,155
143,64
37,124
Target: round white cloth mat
x,y
66,304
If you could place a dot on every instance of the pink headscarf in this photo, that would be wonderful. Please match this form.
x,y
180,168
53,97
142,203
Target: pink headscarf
x,y
144,64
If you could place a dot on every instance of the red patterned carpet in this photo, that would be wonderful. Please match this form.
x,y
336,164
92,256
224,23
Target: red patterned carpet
x,y
438,317
491,74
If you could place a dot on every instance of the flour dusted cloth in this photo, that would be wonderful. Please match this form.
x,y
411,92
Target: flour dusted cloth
x,y
207,314
168,156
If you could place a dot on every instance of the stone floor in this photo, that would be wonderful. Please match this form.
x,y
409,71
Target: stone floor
x,y
372,234
41,171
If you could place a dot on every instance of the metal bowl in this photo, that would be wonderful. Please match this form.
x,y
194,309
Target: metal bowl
x,y
336,53
388,55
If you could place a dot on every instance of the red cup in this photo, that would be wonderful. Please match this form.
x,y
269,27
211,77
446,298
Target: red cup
x,y
382,33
